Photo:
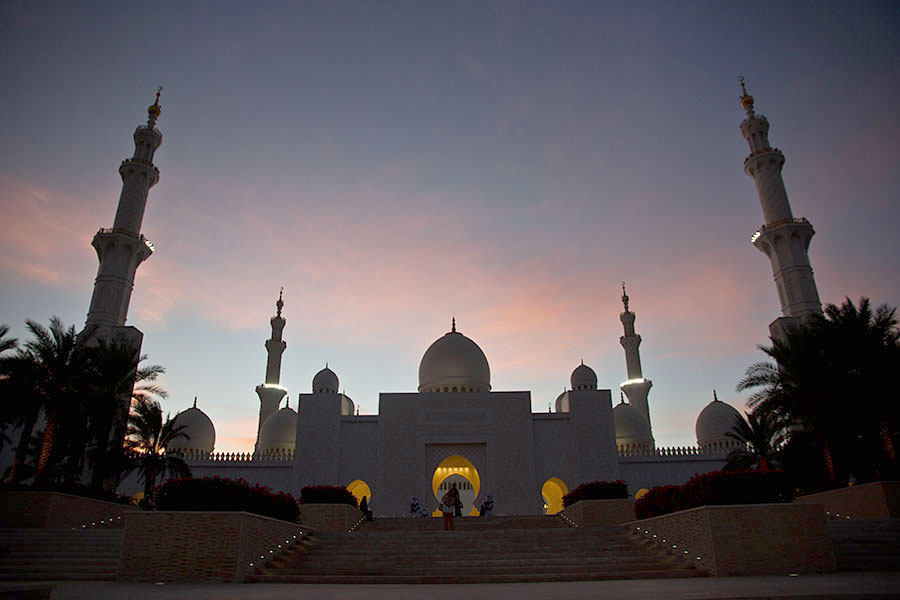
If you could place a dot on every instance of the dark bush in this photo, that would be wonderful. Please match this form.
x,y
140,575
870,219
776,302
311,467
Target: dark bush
x,y
327,494
718,487
215,494
596,490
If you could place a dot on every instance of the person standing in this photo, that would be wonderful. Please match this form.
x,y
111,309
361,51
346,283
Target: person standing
x,y
447,507
457,503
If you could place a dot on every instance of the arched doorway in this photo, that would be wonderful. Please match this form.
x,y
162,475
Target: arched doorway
x,y
360,489
553,491
460,470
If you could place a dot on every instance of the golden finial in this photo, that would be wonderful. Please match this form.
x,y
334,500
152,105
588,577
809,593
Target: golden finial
x,y
280,303
453,325
624,297
154,110
746,99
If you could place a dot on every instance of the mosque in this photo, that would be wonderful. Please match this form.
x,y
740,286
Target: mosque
x,y
455,428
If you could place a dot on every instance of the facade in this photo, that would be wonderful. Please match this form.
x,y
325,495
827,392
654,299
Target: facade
x,y
456,429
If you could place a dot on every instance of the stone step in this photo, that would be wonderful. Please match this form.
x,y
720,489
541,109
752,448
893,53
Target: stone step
x,y
866,544
59,554
467,578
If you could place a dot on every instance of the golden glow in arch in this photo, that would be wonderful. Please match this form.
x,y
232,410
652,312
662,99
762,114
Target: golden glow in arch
x,y
455,465
553,491
360,489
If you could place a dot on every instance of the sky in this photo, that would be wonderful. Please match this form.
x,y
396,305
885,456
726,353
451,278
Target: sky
x,y
394,164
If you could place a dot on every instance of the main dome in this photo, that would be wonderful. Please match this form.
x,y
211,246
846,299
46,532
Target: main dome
x,y
454,363
199,429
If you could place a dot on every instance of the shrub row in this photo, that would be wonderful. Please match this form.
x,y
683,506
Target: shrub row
x,y
718,487
596,490
217,494
327,494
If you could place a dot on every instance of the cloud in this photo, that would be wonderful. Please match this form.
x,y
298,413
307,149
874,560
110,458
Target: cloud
x,y
43,234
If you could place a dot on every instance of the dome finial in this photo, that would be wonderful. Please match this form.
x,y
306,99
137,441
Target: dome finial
x,y
287,402
280,303
715,397
746,99
453,325
154,110
624,297
195,401
621,397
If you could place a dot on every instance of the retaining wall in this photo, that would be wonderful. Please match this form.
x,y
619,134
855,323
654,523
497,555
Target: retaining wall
x,y
201,546
745,539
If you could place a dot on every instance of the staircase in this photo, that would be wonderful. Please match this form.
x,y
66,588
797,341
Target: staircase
x,y
481,550
866,544
59,554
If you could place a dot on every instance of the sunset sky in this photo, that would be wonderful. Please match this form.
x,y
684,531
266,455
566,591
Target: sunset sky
x,y
393,164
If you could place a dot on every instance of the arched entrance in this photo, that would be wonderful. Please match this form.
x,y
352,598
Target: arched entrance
x,y
360,489
460,470
553,491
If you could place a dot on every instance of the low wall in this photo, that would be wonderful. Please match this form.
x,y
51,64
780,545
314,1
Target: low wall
x,y
745,539
200,546
878,500
329,517
600,513
23,508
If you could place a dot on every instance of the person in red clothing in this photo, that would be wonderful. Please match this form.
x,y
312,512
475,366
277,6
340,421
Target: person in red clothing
x,y
448,504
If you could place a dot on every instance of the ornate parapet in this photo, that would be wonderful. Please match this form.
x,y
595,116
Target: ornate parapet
x,y
713,450
198,457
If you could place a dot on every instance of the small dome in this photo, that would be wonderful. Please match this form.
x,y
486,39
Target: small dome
x,y
279,432
199,429
562,403
454,363
325,382
583,378
632,428
714,421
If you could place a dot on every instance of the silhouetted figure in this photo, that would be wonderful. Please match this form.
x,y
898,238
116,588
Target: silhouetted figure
x,y
364,508
457,505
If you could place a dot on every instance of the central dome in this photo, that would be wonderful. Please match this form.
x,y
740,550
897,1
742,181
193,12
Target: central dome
x,y
454,363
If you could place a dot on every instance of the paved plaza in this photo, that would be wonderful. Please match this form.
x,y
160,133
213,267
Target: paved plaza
x,y
844,586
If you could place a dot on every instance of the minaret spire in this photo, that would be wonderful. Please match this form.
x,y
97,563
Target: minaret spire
x,y
636,387
271,392
783,238
123,248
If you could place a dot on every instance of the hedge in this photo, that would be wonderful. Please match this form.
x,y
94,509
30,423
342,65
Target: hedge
x,y
718,487
217,494
327,494
596,490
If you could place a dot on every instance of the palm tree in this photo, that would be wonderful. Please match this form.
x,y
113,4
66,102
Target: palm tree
x,y
848,352
7,343
58,369
148,438
7,402
762,436
115,379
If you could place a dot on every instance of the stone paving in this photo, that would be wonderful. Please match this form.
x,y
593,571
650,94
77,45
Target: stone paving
x,y
857,586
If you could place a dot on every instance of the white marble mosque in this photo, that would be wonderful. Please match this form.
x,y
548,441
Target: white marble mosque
x,y
455,427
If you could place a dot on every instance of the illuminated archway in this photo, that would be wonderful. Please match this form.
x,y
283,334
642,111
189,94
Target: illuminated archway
x,y
458,469
360,489
553,491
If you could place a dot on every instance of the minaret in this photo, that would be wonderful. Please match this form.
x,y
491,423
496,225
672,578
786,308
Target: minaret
x,y
636,387
122,248
783,238
271,392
